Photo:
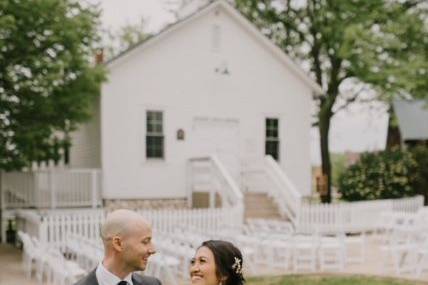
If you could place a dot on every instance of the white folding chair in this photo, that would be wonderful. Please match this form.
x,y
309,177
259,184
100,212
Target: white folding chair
x,y
31,253
332,252
355,246
304,254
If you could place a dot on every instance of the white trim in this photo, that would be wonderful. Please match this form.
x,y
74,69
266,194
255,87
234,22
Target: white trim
x,y
245,24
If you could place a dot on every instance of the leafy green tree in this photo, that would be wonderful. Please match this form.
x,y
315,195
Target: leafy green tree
x,y
350,47
48,80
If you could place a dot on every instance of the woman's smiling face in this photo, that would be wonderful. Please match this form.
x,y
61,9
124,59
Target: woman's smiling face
x,y
203,268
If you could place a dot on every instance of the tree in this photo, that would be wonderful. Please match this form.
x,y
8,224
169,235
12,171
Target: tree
x,y
350,47
125,38
48,80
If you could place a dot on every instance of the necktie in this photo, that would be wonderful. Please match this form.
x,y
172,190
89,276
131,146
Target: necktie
x,y
123,282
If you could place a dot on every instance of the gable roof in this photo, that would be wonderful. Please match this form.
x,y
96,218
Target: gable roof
x,y
412,118
204,10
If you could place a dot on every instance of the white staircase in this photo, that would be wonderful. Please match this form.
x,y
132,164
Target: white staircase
x,y
208,175
260,206
265,190
266,176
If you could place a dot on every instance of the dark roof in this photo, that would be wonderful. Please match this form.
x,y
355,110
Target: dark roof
x,y
412,118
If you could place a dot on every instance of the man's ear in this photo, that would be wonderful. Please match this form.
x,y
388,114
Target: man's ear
x,y
117,243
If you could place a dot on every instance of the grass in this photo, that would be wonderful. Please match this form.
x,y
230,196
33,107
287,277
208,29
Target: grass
x,y
327,280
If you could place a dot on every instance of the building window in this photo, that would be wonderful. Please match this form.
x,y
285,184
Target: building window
x,y
154,134
272,138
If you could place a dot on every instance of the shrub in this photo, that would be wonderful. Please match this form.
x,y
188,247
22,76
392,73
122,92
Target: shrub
x,y
420,154
338,164
382,175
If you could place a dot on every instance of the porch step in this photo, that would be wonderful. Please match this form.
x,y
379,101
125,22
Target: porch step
x,y
260,205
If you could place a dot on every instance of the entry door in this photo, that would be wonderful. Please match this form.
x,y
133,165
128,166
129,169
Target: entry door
x,y
219,137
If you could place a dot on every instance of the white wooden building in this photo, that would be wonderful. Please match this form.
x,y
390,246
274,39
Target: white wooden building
x,y
209,84
188,116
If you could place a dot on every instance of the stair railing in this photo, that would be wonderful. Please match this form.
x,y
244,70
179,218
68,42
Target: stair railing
x,y
210,174
283,190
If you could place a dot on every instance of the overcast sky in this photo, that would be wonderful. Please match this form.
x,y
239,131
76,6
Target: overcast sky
x,y
117,13
357,129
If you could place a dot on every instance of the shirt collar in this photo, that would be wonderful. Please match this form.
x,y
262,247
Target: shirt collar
x,y
105,277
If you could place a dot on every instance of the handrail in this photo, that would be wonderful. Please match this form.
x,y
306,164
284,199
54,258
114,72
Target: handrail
x,y
236,193
232,195
285,179
285,194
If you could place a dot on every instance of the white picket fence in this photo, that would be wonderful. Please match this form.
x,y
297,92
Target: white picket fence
x,y
352,216
54,226
52,188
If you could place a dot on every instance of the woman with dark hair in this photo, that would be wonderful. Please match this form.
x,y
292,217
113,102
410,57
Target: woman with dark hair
x,y
217,262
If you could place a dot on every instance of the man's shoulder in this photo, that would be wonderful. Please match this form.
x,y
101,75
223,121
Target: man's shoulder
x,y
139,279
89,279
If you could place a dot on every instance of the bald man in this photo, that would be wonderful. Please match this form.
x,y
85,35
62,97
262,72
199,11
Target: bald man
x,y
127,239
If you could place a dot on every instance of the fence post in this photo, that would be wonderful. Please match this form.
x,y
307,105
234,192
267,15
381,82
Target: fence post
x,y
42,234
2,192
52,188
189,184
37,192
94,188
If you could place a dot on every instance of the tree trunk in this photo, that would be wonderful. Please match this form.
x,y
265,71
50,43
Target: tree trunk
x,y
2,239
324,129
393,138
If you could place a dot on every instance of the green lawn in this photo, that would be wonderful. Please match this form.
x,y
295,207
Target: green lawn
x,y
327,280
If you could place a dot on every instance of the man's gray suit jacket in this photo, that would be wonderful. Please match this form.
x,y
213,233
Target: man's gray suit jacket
x,y
137,279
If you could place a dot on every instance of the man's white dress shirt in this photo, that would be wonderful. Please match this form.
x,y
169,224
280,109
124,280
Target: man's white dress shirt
x,y
105,277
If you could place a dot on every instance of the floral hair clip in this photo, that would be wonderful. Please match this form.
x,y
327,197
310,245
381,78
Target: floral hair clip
x,y
237,266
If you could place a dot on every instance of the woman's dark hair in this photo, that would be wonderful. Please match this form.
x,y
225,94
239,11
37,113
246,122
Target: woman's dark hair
x,y
228,261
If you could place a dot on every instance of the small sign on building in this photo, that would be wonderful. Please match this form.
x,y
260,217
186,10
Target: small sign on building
x,y
180,135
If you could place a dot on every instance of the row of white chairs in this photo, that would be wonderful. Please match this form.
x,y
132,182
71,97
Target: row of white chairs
x,y
268,226
306,251
263,242
48,263
296,253
405,242
273,248
87,253
164,267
